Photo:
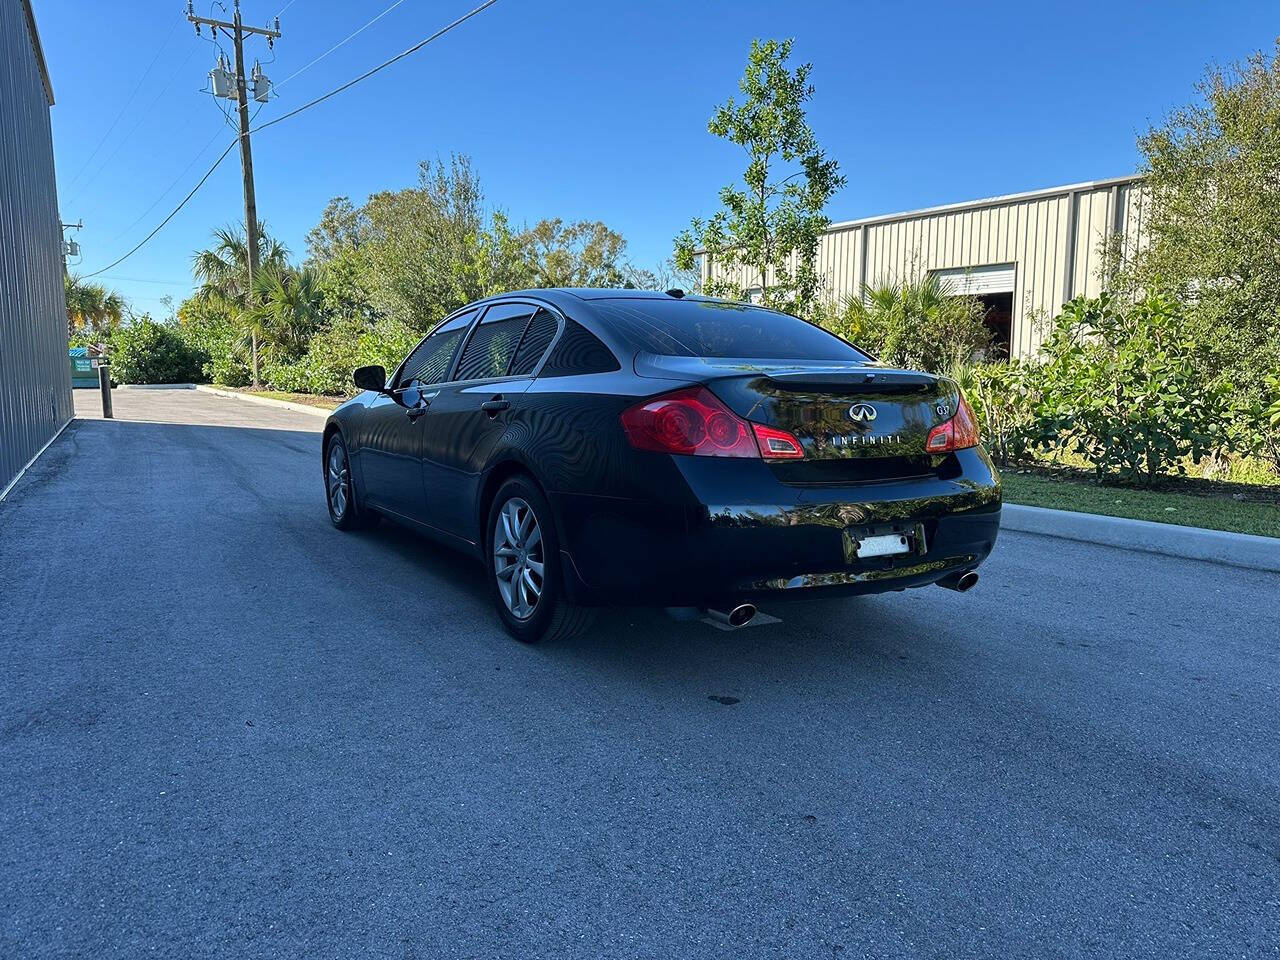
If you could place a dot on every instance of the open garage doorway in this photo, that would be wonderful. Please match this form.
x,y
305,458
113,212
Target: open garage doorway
x,y
992,285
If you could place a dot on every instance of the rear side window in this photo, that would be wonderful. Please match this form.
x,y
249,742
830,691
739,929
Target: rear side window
x,y
431,359
578,351
700,328
537,337
493,343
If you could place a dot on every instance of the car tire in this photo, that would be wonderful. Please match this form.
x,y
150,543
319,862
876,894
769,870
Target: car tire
x,y
515,548
339,489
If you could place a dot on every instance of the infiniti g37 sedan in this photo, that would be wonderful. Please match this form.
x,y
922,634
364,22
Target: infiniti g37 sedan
x,y
597,447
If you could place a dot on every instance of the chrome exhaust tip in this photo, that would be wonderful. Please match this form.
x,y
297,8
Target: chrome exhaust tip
x,y
960,582
738,616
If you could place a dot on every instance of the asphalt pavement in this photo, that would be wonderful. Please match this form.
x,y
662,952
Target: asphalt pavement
x,y
227,729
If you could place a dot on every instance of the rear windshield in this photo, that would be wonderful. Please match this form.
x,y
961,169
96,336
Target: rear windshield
x,y
698,328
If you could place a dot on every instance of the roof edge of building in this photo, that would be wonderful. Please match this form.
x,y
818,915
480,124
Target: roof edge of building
x,y
985,202
38,49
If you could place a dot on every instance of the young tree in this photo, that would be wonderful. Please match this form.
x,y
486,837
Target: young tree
x,y
1214,221
287,312
223,274
766,235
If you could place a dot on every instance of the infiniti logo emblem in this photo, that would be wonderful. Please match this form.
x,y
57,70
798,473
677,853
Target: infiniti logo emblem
x,y
862,412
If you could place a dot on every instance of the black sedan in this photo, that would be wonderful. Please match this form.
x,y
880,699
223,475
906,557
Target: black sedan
x,y
615,446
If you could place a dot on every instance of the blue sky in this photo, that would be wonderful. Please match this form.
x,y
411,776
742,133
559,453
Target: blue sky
x,y
598,110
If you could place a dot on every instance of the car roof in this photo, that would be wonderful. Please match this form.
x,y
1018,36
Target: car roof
x,y
561,295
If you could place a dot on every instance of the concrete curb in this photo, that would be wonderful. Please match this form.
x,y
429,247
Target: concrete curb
x,y
264,401
154,386
1168,539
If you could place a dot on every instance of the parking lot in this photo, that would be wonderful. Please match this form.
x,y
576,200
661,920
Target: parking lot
x,y
228,729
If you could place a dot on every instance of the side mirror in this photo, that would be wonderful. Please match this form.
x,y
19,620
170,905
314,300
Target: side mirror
x,y
371,378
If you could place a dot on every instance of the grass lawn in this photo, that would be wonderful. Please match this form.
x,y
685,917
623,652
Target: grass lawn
x,y
1259,514
310,399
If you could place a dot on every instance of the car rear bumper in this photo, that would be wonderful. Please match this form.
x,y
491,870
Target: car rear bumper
x,y
773,541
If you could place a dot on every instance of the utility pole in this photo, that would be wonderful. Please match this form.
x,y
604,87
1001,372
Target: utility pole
x,y
70,248
237,30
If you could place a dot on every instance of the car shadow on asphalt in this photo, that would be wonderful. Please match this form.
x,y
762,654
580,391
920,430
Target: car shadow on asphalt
x,y
870,636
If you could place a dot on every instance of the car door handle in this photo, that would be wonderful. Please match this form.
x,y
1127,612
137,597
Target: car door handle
x,y
492,407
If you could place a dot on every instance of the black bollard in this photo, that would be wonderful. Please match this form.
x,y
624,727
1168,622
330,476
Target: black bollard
x,y
104,384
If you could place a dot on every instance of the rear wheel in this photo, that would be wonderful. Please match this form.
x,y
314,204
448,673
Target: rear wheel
x,y
524,567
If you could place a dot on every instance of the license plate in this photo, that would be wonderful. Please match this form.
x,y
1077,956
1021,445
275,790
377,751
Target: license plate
x,y
888,545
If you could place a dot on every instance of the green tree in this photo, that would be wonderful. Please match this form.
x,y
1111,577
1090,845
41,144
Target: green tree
x,y
342,227
582,254
223,274
426,248
1214,220
287,311
766,234
93,311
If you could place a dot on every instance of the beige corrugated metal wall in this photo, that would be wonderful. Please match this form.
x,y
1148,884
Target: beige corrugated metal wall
x,y
1053,238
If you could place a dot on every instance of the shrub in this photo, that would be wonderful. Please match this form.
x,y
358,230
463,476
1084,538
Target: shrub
x,y
1257,424
148,352
1006,398
1124,387
337,350
914,324
210,332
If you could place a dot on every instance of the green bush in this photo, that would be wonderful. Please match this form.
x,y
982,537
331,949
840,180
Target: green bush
x,y
337,350
1257,424
915,325
1006,398
148,352
1124,387
211,333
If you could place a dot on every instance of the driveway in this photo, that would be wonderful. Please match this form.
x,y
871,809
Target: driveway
x,y
227,729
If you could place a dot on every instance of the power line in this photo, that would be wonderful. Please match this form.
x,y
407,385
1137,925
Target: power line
x,y
382,66
284,8
167,283
142,216
127,103
293,113
339,44
142,115
172,214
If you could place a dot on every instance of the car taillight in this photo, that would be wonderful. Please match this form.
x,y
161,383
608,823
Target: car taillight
x,y
693,421
958,433
777,444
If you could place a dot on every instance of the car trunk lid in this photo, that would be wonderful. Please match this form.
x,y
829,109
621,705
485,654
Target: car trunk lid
x,y
856,421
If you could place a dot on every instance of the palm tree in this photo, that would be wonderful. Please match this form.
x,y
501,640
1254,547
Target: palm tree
x,y
92,309
223,274
287,310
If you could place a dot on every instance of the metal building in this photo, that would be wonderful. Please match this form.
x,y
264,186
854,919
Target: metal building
x,y
35,377
1024,254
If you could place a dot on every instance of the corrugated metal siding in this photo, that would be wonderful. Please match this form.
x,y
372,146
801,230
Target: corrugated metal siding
x,y
35,379
1053,238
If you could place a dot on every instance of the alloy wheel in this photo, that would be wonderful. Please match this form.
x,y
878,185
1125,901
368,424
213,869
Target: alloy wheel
x,y
518,560
339,480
